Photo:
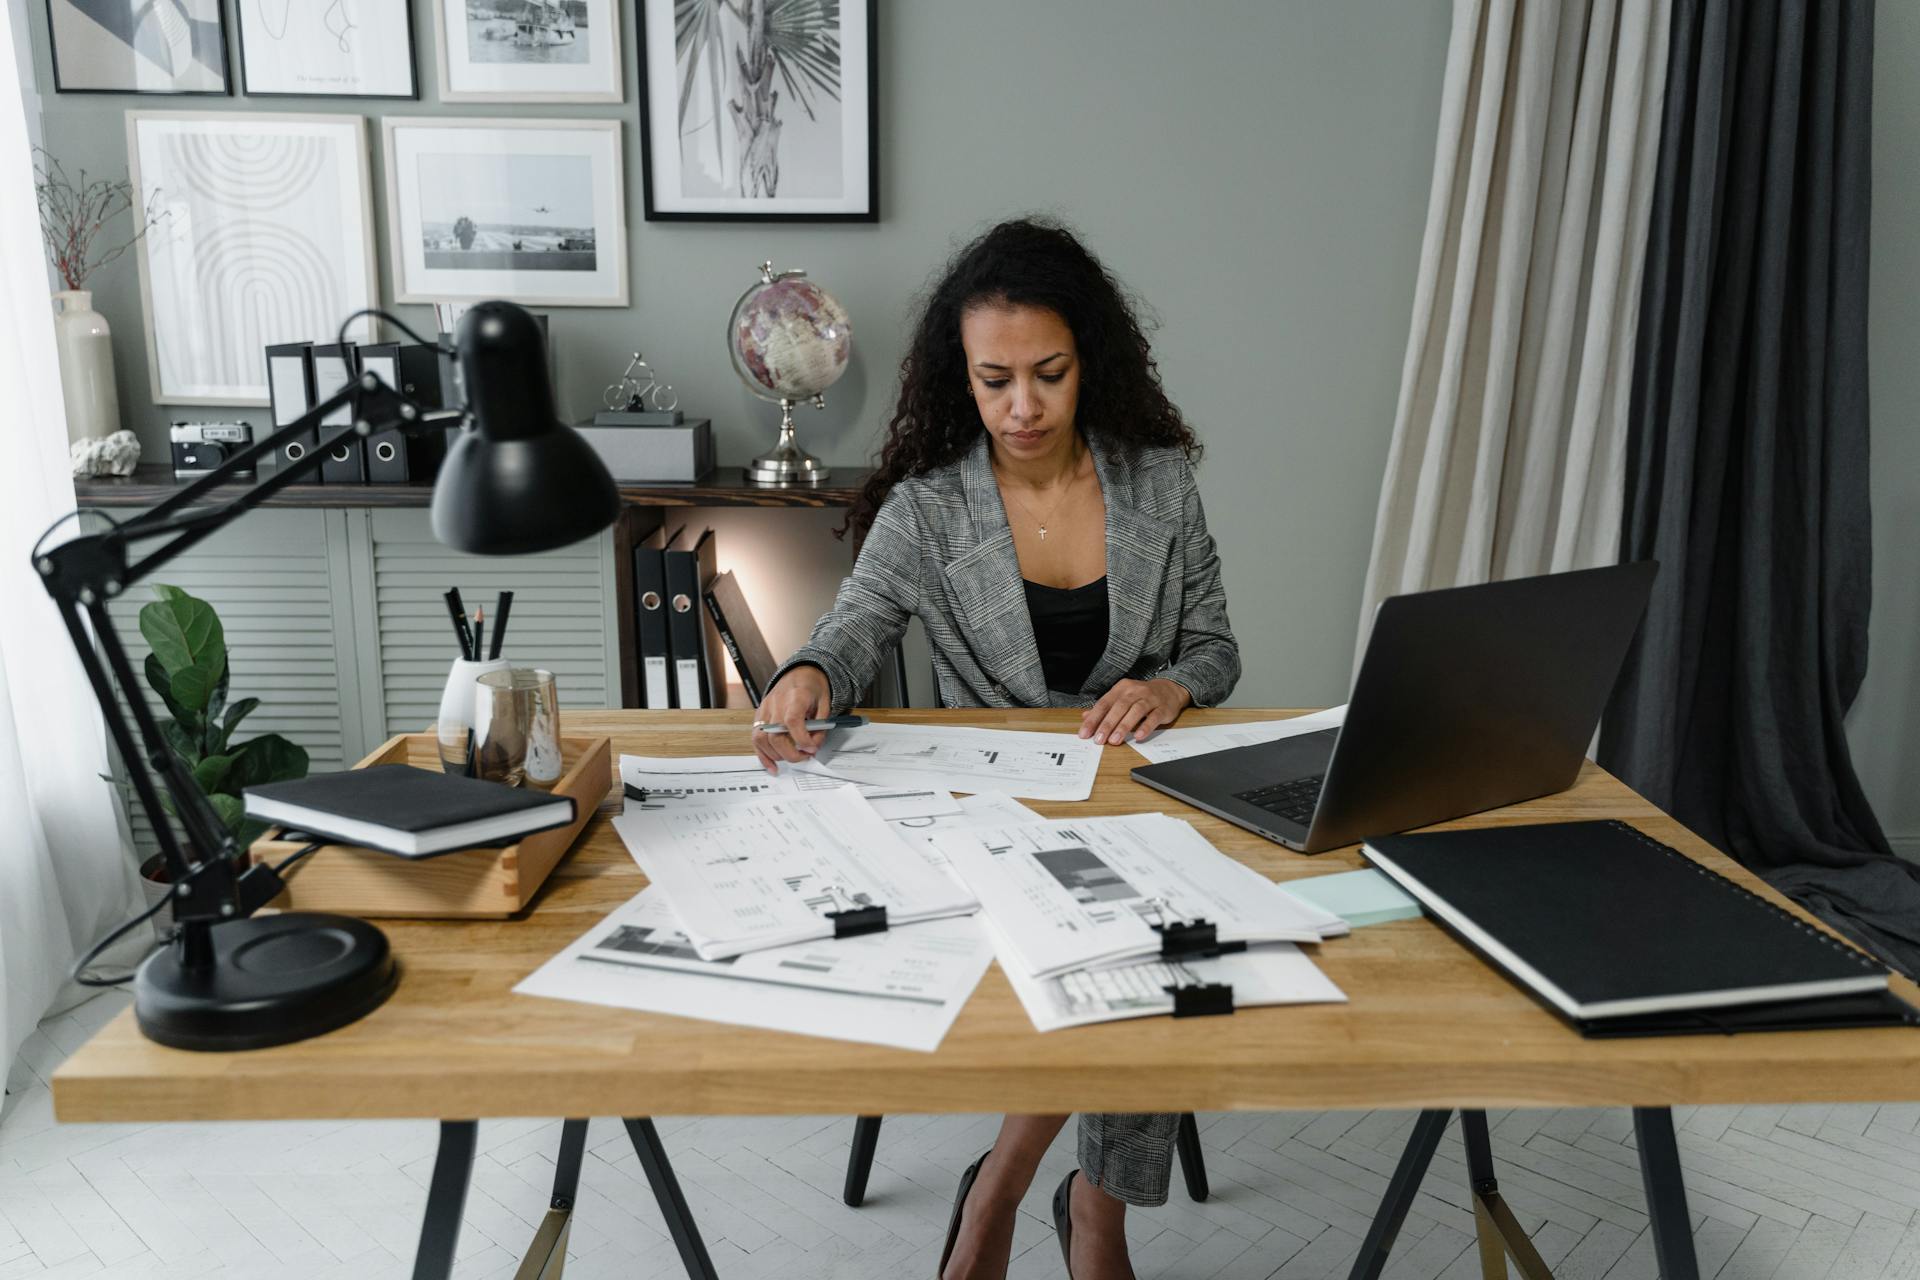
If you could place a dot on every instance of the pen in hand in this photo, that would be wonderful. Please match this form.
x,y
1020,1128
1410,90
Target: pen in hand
x,y
819,726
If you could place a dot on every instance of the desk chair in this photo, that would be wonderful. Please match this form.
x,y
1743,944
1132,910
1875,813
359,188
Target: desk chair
x,y
866,1129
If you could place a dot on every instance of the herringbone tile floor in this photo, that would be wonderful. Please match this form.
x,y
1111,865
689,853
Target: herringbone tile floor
x,y
1788,1193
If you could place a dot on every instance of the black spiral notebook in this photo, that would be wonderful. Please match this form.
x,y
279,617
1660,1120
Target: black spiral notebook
x,y
1623,935
415,813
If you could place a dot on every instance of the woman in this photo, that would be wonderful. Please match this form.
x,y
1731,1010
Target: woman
x,y
1035,507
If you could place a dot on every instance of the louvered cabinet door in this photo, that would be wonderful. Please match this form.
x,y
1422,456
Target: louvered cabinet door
x,y
563,617
279,580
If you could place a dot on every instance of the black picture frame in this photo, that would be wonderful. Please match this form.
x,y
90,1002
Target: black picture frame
x,y
226,63
413,64
655,214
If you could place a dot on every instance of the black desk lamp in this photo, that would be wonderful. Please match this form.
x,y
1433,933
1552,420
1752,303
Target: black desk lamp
x,y
515,481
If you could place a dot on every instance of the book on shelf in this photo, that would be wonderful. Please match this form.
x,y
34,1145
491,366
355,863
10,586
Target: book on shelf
x,y
740,635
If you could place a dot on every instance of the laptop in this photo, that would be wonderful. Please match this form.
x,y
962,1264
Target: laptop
x,y
1468,698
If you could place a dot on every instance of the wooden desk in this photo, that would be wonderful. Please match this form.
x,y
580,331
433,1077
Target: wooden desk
x,y
1429,1026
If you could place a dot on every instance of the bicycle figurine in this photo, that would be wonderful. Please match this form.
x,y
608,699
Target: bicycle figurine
x,y
638,390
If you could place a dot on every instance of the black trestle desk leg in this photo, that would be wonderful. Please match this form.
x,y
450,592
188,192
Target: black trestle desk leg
x,y
673,1204
1667,1211
1497,1230
1401,1189
866,1136
546,1257
1193,1164
446,1199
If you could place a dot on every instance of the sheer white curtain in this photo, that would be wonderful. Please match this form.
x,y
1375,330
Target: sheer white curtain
x,y
1508,445
66,875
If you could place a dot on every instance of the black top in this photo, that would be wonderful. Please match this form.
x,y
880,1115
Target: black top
x,y
1070,630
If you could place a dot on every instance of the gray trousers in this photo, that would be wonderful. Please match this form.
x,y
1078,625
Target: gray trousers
x,y
1130,1157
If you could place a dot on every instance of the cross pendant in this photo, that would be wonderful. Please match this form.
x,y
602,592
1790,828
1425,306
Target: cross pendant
x,y
1043,533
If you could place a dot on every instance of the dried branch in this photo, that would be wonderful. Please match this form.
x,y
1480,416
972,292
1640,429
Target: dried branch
x,y
74,216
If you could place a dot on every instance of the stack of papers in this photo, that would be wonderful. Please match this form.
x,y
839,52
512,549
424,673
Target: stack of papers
x,y
1178,744
1076,893
768,872
1034,766
901,988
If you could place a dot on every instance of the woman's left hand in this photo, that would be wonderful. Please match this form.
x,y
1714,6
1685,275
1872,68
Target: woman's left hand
x,y
1136,707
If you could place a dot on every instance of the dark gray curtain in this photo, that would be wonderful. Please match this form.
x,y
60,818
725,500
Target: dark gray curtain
x,y
1747,464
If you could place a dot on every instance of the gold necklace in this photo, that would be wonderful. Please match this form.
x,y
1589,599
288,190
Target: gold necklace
x,y
1056,502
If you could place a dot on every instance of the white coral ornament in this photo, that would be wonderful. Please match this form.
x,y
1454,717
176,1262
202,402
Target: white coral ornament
x,y
113,455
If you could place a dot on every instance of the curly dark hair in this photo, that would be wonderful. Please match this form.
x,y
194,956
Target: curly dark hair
x,y
1022,262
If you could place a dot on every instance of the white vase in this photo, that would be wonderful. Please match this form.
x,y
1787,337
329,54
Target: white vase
x,y
85,345
455,721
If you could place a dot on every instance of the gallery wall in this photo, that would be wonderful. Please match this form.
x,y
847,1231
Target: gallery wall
x,y
1257,172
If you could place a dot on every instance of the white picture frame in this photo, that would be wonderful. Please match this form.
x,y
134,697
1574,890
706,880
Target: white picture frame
x,y
486,56
265,236
362,50
544,200
799,143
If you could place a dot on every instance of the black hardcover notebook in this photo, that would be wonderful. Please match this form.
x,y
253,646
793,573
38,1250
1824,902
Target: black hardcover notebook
x,y
1623,935
411,812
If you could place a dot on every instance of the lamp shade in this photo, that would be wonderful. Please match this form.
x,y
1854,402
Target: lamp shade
x,y
517,479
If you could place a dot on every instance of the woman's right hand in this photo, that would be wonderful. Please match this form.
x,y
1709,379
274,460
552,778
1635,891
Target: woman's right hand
x,y
801,695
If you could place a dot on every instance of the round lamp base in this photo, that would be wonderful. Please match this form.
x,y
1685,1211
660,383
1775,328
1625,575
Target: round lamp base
x,y
273,980
788,463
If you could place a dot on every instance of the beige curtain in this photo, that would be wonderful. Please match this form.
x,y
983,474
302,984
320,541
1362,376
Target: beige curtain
x,y
1508,444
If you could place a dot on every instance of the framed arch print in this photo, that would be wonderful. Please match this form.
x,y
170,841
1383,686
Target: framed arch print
x,y
759,110
265,236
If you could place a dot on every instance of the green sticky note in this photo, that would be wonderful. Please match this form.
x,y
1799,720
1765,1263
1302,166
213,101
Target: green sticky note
x,y
1358,897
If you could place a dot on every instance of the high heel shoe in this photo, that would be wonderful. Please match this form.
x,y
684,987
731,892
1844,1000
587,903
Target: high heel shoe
x,y
959,1206
1063,1219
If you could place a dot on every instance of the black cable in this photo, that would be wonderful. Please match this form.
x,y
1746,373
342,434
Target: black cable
x,y
48,531
297,855
93,952
391,319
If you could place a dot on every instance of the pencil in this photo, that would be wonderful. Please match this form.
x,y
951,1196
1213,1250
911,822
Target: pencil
x,y
479,630
501,606
460,633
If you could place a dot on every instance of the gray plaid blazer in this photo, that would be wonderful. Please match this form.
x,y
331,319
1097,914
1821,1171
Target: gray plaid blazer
x,y
940,548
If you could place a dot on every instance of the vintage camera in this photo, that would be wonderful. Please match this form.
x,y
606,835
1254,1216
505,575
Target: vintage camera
x,y
199,447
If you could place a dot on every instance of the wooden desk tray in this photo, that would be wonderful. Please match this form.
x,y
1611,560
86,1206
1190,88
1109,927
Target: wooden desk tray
x,y
470,884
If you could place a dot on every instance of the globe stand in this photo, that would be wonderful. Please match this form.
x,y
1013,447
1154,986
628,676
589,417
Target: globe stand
x,y
787,463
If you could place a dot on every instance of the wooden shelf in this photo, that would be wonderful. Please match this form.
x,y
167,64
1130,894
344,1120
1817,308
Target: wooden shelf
x,y
153,482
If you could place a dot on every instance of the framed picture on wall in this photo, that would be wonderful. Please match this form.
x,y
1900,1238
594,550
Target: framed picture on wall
x,y
531,211
138,46
266,236
362,49
528,50
759,110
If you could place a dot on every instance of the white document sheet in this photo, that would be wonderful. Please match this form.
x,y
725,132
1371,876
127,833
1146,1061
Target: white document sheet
x,y
1178,744
668,782
1034,766
753,874
1080,893
901,988
1278,973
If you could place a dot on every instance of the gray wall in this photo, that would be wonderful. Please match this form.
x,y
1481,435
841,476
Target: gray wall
x,y
1885,725
1256,171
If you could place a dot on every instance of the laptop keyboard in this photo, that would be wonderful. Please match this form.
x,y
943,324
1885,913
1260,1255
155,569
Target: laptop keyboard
x,y
1293,799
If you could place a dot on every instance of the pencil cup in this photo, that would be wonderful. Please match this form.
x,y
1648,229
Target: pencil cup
x,y
516,728
455,725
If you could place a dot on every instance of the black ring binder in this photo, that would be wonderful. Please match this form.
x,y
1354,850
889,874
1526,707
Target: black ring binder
x,y
1201,999
854,921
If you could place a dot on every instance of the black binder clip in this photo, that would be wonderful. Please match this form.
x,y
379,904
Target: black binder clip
x,y
1195,939
854,921
1201,999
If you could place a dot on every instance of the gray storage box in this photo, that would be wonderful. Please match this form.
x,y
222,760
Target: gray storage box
x,y
654,454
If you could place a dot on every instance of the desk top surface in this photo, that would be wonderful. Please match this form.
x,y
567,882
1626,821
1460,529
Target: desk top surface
x,y
1428,1024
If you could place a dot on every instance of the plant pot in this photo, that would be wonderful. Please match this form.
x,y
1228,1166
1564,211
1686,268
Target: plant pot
x,y
157,887
85,347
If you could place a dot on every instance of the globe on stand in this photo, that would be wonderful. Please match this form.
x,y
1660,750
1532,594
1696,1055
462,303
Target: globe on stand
x,y
790,340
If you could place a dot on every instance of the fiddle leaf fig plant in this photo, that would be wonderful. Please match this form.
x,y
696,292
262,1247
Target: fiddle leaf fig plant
x,y
187,668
